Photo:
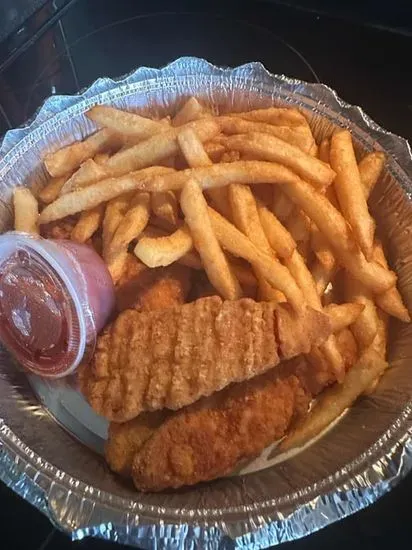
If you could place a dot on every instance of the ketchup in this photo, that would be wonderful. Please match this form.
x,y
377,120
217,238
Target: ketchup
x,y
55,296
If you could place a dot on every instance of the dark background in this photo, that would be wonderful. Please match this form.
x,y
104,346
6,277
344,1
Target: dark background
x,y
361,49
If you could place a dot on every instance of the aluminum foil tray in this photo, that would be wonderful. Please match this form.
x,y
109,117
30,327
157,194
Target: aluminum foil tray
x,y
50,440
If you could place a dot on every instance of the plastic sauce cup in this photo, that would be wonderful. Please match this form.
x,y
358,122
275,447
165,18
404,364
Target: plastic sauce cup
x,y
55,296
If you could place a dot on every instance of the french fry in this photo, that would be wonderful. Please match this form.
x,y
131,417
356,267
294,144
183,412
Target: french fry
x,y
278,236
348,187
389,301
69,158
155,251
133,222
303,277
298,225
370,168
164,205
194,207
246,218
124,123
300,136
273,149
264,193
324,150
230,156
51,190
321,248
196,157
249,172
366,326
99,192
282,206
333,226
88,173
239,245
129,228
115,210
158,147
101,158
322,275
192,148
214,150
26,211
278,116
343,315
88,223
314,204
191,110
334,400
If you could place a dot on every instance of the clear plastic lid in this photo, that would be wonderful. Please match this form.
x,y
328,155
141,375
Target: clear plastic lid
x,y
54,297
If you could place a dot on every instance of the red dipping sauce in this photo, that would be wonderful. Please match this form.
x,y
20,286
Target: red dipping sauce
x,y
55,296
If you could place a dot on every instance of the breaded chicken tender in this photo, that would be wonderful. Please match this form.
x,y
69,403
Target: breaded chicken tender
x,y
171,358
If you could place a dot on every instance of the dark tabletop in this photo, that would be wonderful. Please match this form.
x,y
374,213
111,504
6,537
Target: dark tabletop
x,y
367,65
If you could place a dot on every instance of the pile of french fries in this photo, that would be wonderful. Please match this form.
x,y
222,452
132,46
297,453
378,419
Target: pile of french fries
x,y
249,198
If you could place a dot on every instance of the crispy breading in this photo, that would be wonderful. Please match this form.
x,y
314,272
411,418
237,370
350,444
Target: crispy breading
x,y
210,438
147,289
171,358
124,440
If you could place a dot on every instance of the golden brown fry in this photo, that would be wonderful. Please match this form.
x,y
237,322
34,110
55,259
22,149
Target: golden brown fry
x,y
69,158
246,218
334,400
125,123
239,245
321,248
164,205
282,206
26,211
192,148
158,147
322,275
196,156
303,277
191,110
101,158
314,204
366,326
129,228
370,168
298,225
389,301
348,187
214,150
300,136
88,173
88,223
164,250
273,149
95,194
324,150
249,172
115,210
333,226
194,207
279,116
278,236
133,222
51,190
343,315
